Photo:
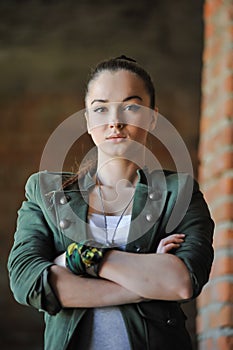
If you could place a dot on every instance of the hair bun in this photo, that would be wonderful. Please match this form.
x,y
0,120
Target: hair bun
x,y
123,57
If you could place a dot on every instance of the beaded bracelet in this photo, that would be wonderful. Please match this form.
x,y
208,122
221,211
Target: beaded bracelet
x,y
82,259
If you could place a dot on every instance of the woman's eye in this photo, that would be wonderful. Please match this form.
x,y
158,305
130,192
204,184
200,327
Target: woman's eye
x,y
100,109
132,108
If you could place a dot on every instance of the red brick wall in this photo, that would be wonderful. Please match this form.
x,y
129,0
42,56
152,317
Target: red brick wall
x,y
215,305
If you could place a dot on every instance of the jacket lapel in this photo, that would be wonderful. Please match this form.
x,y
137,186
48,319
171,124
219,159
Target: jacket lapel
x,y
149,203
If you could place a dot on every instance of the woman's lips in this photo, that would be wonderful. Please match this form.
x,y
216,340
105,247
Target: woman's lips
x,y
116,138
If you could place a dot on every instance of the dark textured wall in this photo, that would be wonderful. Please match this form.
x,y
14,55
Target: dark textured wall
x,y
46,51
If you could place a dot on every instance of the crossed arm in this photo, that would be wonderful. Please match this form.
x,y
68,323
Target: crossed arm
x,y
125,278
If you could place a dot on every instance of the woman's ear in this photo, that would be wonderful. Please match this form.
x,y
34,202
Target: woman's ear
x,y
87,121
154,118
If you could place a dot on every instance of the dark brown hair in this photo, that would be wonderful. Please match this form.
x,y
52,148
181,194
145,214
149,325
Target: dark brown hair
x,y
129,64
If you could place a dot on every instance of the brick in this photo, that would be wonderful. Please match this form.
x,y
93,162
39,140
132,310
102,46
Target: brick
x,y
211,143
200,324
213,50
211,7
222,291
230,11
209,30
207,344
221,318
229,56
223,266
223,211
228,84
224,162
204,297
225,184
214,317
216,291
216,167
218,67
223,238
228,107
225,343
205,123
219,115
224,110
208,10
231,32
207,55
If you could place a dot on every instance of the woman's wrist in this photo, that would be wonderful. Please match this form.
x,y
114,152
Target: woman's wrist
x,y
83,259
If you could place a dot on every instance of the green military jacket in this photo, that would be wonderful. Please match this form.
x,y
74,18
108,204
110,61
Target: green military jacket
x,y
51,218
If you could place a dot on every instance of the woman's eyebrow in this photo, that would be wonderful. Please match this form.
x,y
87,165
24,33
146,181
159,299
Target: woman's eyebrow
x,y
132,97
125,99
99,100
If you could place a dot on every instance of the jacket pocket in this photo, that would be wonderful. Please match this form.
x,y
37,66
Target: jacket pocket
x,y
165,325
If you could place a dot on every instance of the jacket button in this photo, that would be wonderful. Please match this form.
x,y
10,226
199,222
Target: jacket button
x,y
64,199
171,322
64,224
155,196
149,217
138,249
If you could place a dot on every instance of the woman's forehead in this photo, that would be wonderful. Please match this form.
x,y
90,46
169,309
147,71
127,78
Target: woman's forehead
x,y
116,86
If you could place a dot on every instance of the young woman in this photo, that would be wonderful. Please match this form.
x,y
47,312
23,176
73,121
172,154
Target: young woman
x,y
110,287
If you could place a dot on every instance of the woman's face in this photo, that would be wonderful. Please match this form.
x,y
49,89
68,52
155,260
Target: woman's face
x,y
118,112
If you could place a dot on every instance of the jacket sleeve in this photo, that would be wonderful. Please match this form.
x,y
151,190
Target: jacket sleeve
x,y
32,254
197,250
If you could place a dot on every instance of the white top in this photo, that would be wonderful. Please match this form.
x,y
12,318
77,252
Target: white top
x,y
97,230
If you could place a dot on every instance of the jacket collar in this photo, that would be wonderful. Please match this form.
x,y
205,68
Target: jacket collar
x,y
149,201
87,181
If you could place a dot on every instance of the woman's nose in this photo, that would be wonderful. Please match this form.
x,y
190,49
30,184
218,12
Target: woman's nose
x,y
116,124
116,118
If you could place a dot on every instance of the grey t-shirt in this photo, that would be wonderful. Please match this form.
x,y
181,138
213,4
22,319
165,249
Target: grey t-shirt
x,y
104,328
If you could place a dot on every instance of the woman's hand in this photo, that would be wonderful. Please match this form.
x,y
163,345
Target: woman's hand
x,y
171,242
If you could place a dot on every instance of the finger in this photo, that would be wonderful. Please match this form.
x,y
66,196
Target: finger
x,y
176,238
171,239
177,235
162,249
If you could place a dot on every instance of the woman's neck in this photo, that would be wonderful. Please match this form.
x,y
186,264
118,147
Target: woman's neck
x,y
117,171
